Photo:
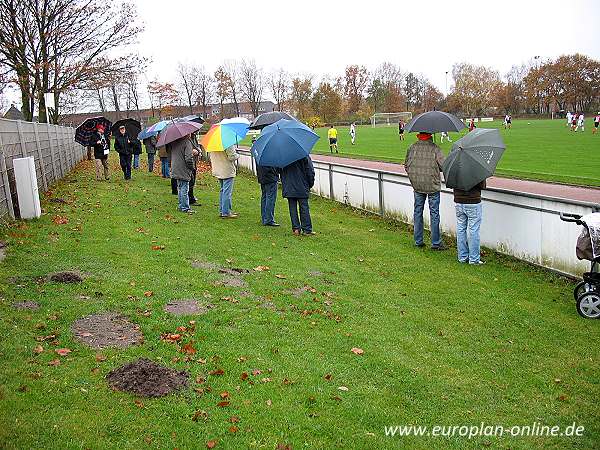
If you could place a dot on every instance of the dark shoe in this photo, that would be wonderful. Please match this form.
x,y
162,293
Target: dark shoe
x,y
193,201
274,224
296,232
308,233
421,245
439,248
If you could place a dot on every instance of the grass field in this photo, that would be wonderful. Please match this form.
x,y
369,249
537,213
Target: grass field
x,y
444,343
536,149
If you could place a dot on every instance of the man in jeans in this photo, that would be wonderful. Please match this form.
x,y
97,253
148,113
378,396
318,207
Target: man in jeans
x,y
296,181
182,164
225,170
268,178
423,165
468,221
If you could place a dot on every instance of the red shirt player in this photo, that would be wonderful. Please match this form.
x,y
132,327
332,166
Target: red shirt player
x,y
472,125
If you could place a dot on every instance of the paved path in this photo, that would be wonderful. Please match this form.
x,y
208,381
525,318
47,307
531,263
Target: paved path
x,y
578,193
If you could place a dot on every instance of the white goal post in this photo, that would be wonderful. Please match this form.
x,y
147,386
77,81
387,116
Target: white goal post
x,y
388,119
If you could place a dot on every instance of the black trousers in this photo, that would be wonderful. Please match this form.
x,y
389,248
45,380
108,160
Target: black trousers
x,y
125,161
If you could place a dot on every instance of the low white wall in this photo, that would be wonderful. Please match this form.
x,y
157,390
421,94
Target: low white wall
x,y
521,225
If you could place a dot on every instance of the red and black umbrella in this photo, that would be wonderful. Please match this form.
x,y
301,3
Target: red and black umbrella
x,y
83,133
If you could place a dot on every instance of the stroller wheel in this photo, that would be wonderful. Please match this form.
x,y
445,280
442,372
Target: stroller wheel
x,y
582,288
588,305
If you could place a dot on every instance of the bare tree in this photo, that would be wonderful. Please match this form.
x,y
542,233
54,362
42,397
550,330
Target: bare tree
x,y
279,84
56,45
222,87
205,89
231,68
252,84
189,83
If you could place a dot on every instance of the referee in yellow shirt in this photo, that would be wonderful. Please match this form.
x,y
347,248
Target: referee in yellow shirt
x,y
332,135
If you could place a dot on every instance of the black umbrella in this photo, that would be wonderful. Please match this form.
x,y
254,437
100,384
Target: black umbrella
x,y
268,118
191,118
83,133
473,158
132,127
434,122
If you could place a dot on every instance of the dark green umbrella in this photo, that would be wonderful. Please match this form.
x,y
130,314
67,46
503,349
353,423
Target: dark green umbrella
x,y
473,158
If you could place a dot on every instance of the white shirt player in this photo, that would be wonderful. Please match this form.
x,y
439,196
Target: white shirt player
x,y
569,118
352,132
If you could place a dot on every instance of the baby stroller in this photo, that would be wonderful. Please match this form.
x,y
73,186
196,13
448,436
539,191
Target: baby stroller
x,y
587,291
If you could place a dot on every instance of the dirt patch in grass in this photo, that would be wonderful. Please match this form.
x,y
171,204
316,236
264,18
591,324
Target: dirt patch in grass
x,y
66,277
145,378
315,273
26,304
297,292
188,307
107,330
233,271
204,265
233,282
267,305
58,200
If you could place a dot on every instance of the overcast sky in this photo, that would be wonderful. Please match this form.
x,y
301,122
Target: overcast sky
x,y
324,36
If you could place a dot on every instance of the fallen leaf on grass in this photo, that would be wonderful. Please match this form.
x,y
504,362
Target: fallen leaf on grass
x,y
211,444
244,376
224,394
256,372
233,429
60,220
343,388
188,348
62,351
261,268
234,419
357,351
54,362
38,349
158,247
148,294
138,403
100,357
200,414
223,404
283,447
269,402
280,276
216,372
327,377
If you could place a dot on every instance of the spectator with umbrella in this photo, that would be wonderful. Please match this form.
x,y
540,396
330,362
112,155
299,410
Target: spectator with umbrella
x,y
176,137
136,149
101,148
150,145
84,132
286,144
124,149
423,164
133,128
472,160
221,141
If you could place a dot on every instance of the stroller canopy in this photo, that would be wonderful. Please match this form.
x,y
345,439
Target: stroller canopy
x,y
589,238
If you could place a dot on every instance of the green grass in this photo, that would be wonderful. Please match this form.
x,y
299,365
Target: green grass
x,y
535,149
444,343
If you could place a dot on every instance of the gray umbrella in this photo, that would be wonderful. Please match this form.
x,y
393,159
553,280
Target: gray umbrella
x,y
473,158
268,118
434,122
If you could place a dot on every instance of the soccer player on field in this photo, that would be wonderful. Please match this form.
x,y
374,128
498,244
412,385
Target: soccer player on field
x,y
332,135
596,123
580,122
444,135
574,122
352,132
401,129
569,118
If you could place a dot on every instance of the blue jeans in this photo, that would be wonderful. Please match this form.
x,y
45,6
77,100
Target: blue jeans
x,y
182,193
468,222
150,162
164,167
225,196
267,203
136,161
434,216
125,161
303,222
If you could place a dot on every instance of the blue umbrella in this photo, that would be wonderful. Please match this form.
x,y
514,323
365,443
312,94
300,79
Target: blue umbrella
x,y
153,130
282,143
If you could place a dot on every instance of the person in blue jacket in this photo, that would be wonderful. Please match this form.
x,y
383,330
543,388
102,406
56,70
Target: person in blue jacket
x,y
296,181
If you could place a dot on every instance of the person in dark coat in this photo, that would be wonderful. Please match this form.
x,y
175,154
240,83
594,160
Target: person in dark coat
x,y
268,177
136,149
296,181
150,144
123,148
182,164
101,147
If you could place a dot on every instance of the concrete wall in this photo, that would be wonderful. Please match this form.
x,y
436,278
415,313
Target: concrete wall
x,y
521,225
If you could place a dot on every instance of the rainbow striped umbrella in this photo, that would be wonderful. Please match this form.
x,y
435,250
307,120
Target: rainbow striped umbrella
x,y
226,133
